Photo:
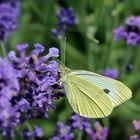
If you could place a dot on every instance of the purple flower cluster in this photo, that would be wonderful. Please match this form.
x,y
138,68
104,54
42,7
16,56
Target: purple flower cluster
x,y
112,73
9,12
63,132
37,132
130,32
136,125
37,76
81,124
66,18
27,86
9,87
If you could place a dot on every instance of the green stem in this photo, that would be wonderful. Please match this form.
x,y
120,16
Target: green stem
x,y
90,57
83,14
128,54
63,49
79,135
17,130
137,58
106,122
3,49
28,126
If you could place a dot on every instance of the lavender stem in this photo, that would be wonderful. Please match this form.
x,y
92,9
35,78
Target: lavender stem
x,y
3,49
79,135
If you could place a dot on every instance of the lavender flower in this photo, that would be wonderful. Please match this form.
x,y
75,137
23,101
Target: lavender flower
x,y
134,137
112,73
9,85
9,12
101,133
66,18
9,120
133,38
22,105
59,33
26,88
130,32
37,132
119,33
37,78
136,125
9,88
63,132
81,124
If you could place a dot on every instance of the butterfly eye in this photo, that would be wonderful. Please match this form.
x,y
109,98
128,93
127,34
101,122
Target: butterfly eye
x,y
106,90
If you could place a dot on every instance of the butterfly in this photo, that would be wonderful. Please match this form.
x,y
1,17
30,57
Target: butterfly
x,y
93,95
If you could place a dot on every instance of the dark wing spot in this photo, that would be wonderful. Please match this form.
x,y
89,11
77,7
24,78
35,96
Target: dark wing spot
x,y
106,90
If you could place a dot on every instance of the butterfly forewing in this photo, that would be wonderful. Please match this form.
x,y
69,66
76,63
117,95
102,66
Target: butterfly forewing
x,y
115,90
86,98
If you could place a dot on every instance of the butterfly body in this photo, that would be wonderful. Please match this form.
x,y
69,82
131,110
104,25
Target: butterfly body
x,y
92,95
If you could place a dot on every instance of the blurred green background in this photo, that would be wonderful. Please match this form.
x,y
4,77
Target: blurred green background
x,y
96,19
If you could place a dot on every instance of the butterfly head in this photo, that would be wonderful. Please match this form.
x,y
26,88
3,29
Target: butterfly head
x,y
63,71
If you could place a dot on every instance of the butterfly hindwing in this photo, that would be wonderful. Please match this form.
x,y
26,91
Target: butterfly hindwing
x,y
86,98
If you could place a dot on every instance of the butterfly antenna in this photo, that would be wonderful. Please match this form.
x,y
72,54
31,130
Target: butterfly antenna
x,y
64,55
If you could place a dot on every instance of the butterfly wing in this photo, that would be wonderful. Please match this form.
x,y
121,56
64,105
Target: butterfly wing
x,y
115,90
86,98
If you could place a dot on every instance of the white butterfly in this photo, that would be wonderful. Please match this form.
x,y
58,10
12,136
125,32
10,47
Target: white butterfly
x,y
93,95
